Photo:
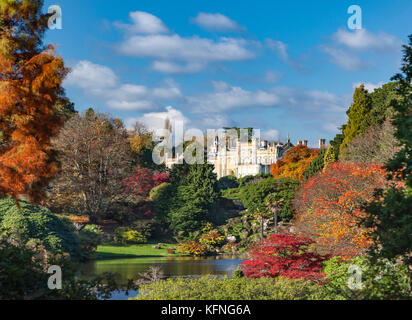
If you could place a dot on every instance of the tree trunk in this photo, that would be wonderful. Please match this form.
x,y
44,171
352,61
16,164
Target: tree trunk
x,y
275,214
93,219
261,228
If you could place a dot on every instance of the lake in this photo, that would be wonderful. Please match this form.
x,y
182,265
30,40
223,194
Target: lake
x,y
172,267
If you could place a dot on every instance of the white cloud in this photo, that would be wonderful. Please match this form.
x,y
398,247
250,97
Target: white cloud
x,y
271,134
101,82
344,59
172,67
281,50
89,75
143,23
364,40
279,47
272,76
226,97
193,49
216,22
156,120
322,109
172,53
368,85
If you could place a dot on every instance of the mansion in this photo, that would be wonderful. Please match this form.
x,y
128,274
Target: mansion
x,y
240,158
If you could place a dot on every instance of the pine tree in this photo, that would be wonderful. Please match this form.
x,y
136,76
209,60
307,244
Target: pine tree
x,y
358,116
31,100
194,199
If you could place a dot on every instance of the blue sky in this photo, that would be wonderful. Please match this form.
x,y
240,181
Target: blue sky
x,y
277,66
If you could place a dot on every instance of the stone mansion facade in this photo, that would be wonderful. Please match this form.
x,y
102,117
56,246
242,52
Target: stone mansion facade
x,y
245,158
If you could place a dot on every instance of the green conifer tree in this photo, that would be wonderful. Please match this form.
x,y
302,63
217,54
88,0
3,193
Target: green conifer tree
x,y
358,116
390,215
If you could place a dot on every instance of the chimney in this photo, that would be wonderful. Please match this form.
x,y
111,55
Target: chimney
x,y
322,143
305,143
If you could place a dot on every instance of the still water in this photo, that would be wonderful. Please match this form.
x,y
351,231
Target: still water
x,y
172,267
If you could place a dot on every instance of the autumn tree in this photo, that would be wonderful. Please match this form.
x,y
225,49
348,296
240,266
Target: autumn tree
x,y
142,145
31,100
284,255
329,206
377,145
358,116
143,181
95,158
294,163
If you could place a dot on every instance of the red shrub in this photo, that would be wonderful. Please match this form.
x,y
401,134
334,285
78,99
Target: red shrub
x,y
143,181
284,255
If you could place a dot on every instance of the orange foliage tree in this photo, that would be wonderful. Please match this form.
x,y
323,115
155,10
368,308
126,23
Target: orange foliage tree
x,y
30,100
329,207
294,163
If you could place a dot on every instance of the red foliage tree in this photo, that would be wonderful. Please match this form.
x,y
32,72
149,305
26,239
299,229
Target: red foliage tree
x,y
143,181
160,178
284,255
329,206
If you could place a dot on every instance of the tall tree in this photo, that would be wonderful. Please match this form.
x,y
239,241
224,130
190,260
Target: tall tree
x,y
391,212
31,97
194,199
382,100
294,163
95,158
358,116
377,145
329,206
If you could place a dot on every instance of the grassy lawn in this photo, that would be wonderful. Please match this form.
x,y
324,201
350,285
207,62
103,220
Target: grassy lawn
x,y
114,250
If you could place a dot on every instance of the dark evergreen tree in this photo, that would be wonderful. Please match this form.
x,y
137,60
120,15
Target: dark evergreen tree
x,y
382,99
391,212
316,165
358,116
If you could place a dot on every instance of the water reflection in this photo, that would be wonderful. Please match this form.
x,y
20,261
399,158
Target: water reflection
x,y
172,267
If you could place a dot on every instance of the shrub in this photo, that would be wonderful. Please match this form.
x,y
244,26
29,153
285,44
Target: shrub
x,y
192,248
161,197
55,234
146,227
231,193
127,235
212,238
90,237
284,255
228,182
238,273
389,282
211,288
